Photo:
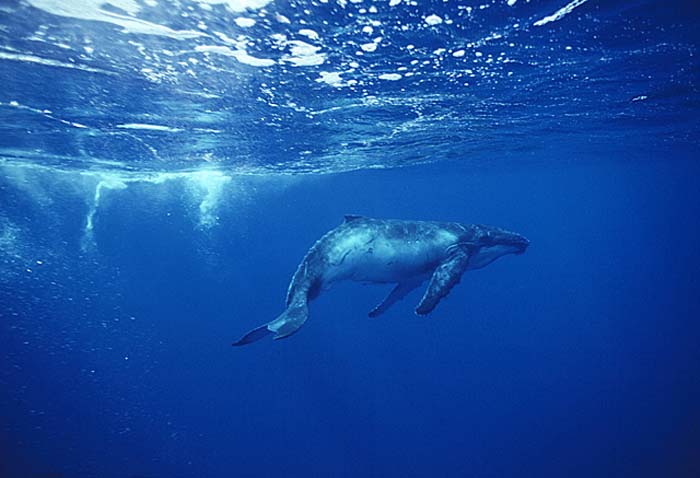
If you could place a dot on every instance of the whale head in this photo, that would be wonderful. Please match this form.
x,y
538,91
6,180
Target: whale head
x,y
489,243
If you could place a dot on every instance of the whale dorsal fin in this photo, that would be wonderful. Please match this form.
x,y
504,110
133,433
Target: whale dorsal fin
x,y
352,217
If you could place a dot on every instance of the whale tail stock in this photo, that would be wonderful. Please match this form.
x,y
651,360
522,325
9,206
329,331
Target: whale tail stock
x,y
283,326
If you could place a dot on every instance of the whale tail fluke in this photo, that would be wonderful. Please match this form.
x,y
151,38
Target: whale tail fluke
x,y
253,336
283,326
290,320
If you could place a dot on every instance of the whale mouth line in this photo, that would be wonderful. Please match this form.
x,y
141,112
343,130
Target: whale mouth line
x,y
522,246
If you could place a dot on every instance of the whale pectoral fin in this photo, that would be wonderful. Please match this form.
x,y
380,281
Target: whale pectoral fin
x,y
401,290
445,277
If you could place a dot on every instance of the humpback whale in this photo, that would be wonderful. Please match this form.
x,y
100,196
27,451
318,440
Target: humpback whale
x,y
405,253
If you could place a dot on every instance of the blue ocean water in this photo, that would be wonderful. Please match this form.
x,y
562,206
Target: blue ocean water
x,y
165,165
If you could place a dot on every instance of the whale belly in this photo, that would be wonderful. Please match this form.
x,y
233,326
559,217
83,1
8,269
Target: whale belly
x,y
371,258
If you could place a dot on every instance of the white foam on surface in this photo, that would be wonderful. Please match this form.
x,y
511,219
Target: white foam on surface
x,y
433,19
369,47
244,22
308,33
559,14
331,78
46,113
216,49
151,127
390,76
93,10
304,54
49,62
239,54
235,6
242,56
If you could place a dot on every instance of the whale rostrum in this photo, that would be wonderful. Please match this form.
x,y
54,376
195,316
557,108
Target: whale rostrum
x,y
405,253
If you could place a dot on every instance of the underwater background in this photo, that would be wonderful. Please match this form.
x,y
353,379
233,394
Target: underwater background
x,y
165,165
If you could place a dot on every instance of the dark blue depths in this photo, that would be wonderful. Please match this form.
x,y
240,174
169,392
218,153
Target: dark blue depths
x,y
578,358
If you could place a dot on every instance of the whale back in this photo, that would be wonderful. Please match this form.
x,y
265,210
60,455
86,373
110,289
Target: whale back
x,y
352,217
